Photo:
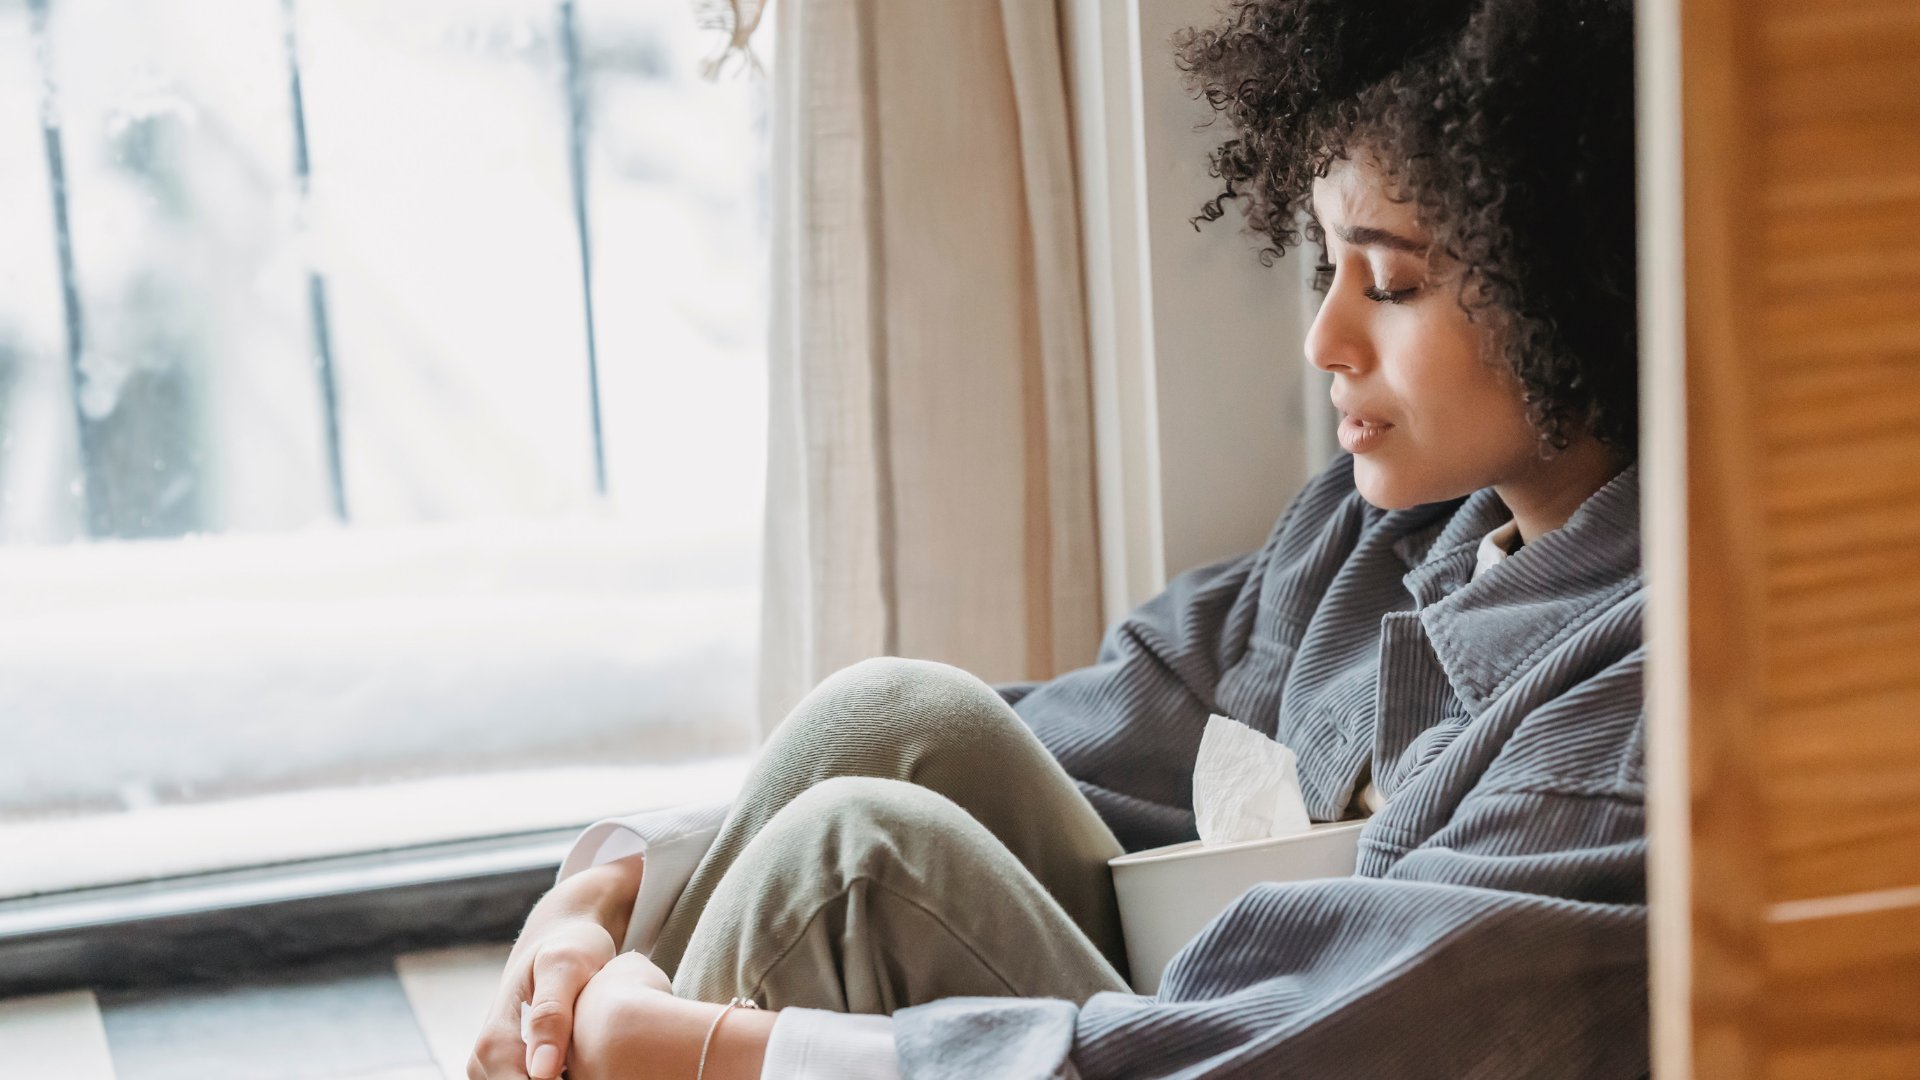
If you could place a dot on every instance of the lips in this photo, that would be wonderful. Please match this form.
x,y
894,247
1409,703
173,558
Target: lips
x,y
1360,432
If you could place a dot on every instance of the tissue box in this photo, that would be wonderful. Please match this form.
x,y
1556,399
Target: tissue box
x,y
1168,894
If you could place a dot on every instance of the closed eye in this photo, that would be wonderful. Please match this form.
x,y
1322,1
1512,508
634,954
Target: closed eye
x,y
1389,296
1323,272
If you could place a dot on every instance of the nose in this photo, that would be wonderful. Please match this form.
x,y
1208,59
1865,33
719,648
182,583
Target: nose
x,y
1337,340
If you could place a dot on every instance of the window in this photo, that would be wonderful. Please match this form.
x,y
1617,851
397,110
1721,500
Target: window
x,y
382,409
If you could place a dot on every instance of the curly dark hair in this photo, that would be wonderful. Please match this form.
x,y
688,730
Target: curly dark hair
x,y
1507,123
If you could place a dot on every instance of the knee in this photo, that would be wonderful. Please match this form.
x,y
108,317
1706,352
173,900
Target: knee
x,y
900,678
895,693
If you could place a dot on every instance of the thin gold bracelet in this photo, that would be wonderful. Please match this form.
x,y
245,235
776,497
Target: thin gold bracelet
x,y
707,1044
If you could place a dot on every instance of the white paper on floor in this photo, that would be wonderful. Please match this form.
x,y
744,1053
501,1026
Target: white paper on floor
x,y
54,1035
450,990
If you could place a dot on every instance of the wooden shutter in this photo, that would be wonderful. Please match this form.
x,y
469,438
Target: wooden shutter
x,y
1781,246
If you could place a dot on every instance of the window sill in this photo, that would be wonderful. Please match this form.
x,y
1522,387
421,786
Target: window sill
x,y
217,926
337,882
159,842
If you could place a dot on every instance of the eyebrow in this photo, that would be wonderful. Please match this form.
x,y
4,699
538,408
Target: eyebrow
x,y
1368,236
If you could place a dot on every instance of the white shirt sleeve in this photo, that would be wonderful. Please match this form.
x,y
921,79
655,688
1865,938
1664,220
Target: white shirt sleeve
x,y
1371,799
674,841
813,1044
1495,547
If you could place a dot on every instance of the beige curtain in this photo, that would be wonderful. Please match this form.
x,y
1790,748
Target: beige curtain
x,y
930,487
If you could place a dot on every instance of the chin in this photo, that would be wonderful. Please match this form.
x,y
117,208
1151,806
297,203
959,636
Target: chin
x,y
1393,489
1379,486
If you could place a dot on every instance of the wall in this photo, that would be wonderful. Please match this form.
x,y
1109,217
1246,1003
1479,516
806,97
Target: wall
x,y
1207,417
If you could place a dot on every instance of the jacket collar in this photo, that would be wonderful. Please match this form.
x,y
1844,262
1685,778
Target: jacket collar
x,y
1488,631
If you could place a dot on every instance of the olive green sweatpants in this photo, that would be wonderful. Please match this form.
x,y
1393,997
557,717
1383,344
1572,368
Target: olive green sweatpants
x,y
903,837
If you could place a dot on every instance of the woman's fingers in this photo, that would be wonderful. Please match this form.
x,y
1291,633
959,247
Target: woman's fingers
x,y
534,1010
497,1053
560,969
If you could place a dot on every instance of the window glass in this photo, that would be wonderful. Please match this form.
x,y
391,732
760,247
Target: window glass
x,y
332,514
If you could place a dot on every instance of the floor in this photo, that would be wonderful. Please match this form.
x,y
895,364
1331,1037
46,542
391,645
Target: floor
x,y
411,1017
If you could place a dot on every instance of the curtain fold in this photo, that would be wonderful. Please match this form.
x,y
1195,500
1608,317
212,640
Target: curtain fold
x,y
930,463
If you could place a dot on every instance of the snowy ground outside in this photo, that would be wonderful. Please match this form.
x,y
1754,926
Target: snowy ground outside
x,y
142,673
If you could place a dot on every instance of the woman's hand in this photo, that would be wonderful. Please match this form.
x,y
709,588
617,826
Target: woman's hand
x,y
627,1025
556,964
569,936
611,1019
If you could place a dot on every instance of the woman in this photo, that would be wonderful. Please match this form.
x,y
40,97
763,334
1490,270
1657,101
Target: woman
x,y
1445,626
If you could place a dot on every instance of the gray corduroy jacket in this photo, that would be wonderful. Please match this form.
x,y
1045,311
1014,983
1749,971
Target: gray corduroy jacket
x,y
1496,925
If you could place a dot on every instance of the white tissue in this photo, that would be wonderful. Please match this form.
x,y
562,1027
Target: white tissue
x,y
1245,785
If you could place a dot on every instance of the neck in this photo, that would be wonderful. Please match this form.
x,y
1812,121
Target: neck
x,y
1547,495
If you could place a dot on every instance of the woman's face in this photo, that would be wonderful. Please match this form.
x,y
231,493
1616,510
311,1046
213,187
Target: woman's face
x,y
1426,411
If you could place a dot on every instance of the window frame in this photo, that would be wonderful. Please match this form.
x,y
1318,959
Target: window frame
x,y
1204,429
